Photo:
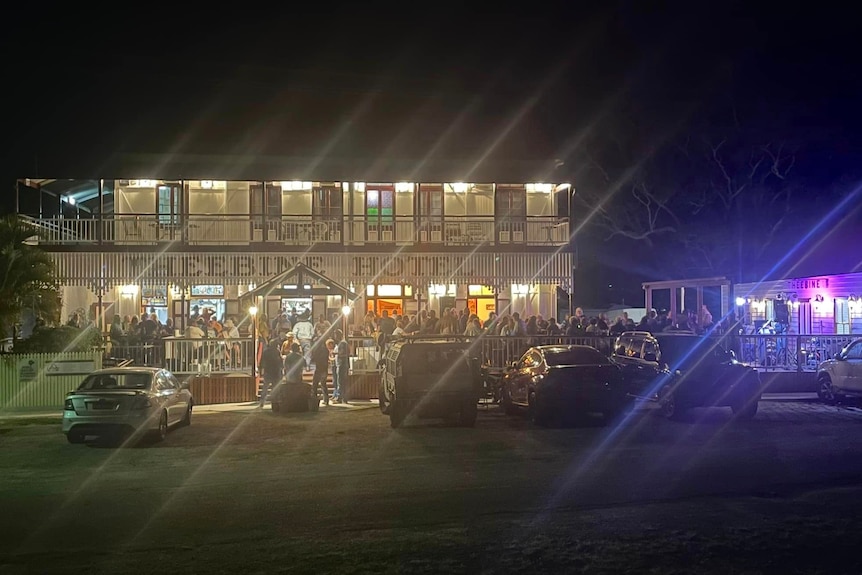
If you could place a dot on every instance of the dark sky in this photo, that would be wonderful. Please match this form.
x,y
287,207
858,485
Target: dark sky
x,y
378,79
484,89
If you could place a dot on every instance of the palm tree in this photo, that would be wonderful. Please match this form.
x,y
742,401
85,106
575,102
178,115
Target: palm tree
x,y
27,276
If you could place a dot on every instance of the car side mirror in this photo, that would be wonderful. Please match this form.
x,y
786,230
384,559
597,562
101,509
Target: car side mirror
x,y
513,364
650,357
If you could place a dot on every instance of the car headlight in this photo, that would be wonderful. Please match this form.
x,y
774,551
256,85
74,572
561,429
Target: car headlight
x,y
67,405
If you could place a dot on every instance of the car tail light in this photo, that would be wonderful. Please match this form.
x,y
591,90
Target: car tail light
x,y
67,405
141,402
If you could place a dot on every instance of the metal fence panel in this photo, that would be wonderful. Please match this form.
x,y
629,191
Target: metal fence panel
x,y
41,380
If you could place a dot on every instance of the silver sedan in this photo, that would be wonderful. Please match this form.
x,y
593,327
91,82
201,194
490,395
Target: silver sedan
x,y
137,400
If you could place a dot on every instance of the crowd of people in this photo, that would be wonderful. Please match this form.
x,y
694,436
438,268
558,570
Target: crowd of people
x,y
291,345
463,322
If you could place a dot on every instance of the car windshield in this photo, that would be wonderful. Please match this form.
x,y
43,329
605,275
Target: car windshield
x,y
99,381
684,350
434,358
576,356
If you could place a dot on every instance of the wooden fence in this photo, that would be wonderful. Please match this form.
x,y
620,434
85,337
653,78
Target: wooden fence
x,y
41,380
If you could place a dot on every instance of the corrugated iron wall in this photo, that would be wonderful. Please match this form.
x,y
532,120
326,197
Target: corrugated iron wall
x,y
41,380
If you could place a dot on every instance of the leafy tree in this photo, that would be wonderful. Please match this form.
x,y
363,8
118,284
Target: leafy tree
x,y
27,276
46,339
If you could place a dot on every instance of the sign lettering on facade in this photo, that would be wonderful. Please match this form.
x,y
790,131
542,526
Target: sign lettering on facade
x,y
809,283
249,267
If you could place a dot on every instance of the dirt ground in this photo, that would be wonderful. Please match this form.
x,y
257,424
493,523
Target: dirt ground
x,y
341,492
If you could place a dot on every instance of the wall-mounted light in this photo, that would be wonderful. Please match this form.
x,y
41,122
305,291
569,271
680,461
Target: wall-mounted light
x,y
740,301
295,186
459,187
142,183
404,187
540,188
779,297
818,298
129,290
359,186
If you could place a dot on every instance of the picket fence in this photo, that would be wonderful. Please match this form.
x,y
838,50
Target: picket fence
x,y
41,380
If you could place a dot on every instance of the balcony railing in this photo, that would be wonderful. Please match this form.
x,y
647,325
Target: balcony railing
x,y
242,229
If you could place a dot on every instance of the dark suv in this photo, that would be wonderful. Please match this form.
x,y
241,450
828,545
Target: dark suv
x,y
680,370
429,378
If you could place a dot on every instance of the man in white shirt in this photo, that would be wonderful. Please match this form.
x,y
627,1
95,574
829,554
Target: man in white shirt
x,y
303,330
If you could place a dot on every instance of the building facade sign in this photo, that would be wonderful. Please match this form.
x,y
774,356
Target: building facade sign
x,y
89,269
808,283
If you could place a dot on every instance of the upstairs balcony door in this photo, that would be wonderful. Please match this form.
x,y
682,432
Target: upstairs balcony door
x,y
380,213
430,210
328,213
266,206
510,211
169,202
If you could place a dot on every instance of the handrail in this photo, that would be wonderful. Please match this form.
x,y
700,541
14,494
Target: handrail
x,y
303,229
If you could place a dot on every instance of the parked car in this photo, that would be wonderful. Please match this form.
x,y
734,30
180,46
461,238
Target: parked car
x,y
678,370
550,382
841,376
138,400
430,378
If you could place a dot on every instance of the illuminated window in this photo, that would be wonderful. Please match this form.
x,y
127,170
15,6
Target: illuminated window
x,y
480,290
388,290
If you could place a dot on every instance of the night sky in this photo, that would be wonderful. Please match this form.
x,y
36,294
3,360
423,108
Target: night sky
x,y
483,88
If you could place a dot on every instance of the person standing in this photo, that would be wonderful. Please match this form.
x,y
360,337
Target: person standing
x,y
336,387
321,328
303,330
342,365
320,358
293,365
271,370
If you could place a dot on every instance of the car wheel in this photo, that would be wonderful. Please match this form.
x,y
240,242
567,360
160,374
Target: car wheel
x,y
670,407
187,418
381,400
826,391
746,410
397,413
469,412
534,412
162,431
75,436
506,403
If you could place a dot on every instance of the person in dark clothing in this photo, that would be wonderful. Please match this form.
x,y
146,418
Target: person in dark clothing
x,y
294,363
320,359
294,394
271,370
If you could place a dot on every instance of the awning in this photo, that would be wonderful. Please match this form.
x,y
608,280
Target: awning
x,y
299,281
